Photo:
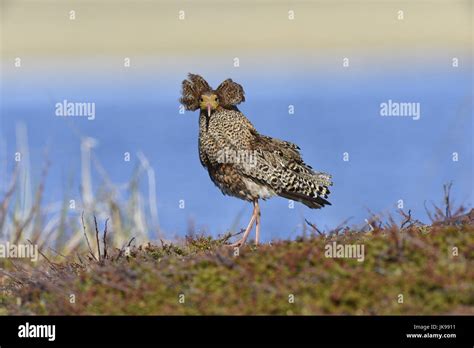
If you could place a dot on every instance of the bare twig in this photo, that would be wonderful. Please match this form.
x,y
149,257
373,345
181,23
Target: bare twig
x,y
369,223
36,205
6,199
122,249
80,258
230,235
97,237
130,242
339,227
85,235
407,218
447,201
313,226
53,266
57,252
105,239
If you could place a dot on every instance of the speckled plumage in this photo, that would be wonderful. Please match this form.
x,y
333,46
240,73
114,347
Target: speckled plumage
x,y
242,162
277,168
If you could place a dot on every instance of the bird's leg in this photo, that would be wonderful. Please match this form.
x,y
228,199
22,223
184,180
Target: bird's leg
x,y
247,231
257,223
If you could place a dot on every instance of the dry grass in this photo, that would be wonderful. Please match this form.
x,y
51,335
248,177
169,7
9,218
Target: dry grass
x,y
414,261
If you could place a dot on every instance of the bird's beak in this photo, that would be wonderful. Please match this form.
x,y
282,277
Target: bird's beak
x,y
208,110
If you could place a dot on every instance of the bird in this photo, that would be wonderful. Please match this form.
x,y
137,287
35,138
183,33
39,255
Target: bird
x,y
243,163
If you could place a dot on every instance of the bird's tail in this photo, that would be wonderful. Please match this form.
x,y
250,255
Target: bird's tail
x,y
311,190
296,180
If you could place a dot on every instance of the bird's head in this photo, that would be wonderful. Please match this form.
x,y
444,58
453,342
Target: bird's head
x,y
209,102
197,94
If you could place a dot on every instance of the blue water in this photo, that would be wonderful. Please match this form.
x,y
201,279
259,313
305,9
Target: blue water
x,y
390,158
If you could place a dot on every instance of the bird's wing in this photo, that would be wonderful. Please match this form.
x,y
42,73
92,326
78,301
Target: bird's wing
x,y
271,162
289,175
290,154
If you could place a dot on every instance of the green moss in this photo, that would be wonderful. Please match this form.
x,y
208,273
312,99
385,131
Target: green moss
x,y
201,276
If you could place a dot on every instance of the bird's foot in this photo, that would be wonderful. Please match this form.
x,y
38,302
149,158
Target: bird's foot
x,y
237,244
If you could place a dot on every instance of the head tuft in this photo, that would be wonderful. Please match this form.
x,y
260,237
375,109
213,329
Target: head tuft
x,y
192,90
230,93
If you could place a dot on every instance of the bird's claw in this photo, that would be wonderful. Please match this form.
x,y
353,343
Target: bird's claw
x,y
235,245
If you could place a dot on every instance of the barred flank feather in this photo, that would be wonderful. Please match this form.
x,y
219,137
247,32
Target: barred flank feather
x,y
289,176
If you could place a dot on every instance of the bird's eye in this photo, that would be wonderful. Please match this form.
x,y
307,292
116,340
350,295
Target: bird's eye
x,y
217,99
201,99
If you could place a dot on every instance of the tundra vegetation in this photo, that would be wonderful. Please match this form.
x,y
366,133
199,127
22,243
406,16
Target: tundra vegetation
x,y
92,265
